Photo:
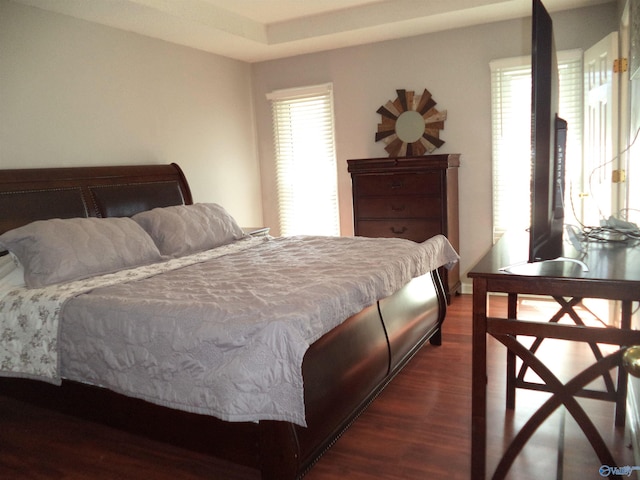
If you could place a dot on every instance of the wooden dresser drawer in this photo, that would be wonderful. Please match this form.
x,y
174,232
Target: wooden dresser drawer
x,y
412,229
412,197
399,206
399,184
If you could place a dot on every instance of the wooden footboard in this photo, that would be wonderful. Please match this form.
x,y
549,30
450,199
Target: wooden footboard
x,y
346,370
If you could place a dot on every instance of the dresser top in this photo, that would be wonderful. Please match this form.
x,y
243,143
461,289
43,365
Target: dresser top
x,y
445,160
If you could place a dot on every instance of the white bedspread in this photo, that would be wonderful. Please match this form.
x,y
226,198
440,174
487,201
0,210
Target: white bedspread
x,y
29,318
226,336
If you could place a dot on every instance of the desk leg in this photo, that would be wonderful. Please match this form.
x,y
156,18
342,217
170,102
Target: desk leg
x,y
621,391
479,381
512,313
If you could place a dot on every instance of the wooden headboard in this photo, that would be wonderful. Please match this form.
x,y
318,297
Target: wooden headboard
x,y
33,194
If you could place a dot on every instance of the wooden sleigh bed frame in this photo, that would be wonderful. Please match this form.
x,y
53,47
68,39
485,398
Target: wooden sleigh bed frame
x,y
343,371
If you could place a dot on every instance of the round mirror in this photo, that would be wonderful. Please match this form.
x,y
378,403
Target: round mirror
x,y
409,126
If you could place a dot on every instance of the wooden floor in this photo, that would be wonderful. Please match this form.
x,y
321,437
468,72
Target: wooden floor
x,y
419,428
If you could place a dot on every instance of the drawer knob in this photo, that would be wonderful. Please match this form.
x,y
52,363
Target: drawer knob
x,y
397,208
396,184
398,231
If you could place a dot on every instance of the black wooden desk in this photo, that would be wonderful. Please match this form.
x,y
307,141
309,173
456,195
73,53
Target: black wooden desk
x,y
614,273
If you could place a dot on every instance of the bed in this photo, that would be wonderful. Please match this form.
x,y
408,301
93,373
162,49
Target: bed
x,y
147,312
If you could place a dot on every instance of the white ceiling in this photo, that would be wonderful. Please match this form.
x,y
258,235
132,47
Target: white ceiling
x,y
256,30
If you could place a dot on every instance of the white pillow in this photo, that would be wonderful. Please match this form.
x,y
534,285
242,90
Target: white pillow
x,y
185,229
62,250
11,274
7,265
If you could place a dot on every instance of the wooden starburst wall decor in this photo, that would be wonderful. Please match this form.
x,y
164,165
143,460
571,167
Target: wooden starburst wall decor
x,y
411,124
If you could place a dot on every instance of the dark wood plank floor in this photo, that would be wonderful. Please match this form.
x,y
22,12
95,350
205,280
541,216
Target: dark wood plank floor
x,y
419,428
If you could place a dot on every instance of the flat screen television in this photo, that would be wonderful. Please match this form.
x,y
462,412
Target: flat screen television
x,y
548,143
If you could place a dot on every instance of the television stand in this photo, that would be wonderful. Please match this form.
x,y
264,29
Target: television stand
x,y
614,275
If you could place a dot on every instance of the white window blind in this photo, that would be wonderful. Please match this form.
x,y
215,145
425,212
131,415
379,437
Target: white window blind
x,y
511,135
303,124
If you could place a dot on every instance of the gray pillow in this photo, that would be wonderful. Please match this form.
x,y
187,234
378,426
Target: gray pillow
x,y
185,229
62,250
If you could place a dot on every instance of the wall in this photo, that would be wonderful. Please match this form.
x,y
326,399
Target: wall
x,y
75,93
454,66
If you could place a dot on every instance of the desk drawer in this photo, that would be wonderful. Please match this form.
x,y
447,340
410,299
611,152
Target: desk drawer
x,y
399,206
399,184
411,229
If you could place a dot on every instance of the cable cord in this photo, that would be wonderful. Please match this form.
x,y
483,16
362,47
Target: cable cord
x,y
606,233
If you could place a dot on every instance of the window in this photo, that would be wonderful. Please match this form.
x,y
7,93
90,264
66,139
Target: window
x,y
305,160
511,131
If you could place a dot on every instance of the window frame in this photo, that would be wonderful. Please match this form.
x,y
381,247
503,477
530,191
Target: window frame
x,y
511,132
304,139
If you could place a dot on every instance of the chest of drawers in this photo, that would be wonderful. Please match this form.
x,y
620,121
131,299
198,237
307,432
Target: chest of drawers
x,y
408,197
